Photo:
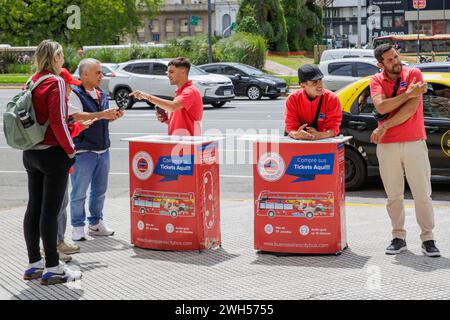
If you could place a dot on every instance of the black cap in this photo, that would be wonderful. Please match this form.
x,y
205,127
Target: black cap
x,y
309,72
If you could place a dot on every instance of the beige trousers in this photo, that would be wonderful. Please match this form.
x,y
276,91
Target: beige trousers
x,y
408,159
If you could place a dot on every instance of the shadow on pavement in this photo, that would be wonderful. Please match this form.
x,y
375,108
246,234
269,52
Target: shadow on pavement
x,y
36,291
421,263
103,244
373,188
347,259
207,258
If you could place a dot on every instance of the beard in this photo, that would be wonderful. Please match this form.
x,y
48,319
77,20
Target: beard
x,y
397,69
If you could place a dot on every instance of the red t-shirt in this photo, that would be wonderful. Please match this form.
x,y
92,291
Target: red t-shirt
x,y
300,110
411,130
187,121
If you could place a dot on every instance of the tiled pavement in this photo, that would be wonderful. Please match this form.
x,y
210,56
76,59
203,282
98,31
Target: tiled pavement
x,y
114,269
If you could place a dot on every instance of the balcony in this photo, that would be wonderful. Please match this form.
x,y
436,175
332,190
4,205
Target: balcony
x,y
185,7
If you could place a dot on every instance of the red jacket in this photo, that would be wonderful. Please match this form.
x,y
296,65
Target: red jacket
x,y
49,101
299,110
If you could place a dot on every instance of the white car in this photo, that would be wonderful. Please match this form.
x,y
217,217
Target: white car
x,y
341,72
332,54
150,76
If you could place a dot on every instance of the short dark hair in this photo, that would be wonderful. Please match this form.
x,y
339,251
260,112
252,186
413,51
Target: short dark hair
x,y
381,49
180,63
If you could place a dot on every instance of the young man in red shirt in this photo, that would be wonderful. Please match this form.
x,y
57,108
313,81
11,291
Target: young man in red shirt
x,y
186,110
312,113
402,151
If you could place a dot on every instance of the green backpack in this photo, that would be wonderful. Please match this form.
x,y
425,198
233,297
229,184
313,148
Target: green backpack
x,y
22,131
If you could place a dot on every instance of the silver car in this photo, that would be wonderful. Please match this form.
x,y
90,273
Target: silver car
x,y
341,72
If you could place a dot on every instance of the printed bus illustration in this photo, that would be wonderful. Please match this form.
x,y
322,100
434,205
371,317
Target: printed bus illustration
x,y
208,201
286,204
163,203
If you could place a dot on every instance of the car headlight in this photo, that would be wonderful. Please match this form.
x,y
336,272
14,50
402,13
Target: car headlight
x,y
271,82
206,84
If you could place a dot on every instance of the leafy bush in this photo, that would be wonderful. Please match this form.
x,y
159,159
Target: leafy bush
x,y
240,47
18,68
245,48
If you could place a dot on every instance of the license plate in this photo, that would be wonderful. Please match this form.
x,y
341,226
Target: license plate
x,y
283,90
227,92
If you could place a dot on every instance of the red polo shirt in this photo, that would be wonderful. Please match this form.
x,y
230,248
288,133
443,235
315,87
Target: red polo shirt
x,y
187,121
300,110
411,130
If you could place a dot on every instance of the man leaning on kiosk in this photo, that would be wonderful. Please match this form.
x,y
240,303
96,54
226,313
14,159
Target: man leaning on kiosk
x,y
313,112
402,151
184,114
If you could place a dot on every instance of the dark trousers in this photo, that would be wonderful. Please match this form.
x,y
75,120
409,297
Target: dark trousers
x,y
48,172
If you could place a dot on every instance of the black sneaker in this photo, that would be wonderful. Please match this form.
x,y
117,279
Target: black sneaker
x,y
397,245
430,250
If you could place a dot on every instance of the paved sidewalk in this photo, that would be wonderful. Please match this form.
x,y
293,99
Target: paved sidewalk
x,y
114,269
279,69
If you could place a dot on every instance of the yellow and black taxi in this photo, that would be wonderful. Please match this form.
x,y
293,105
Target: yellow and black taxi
x,y
358,121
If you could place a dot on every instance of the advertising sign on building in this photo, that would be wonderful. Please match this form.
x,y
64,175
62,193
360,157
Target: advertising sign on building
x,y
388,17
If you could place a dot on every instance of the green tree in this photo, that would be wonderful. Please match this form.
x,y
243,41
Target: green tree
x,y
27,22
269,15
304,21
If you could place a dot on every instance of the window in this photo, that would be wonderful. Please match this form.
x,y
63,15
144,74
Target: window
x,y
141,35
199,26
341,69
435,69
363,104
436,102
365,69
159,69
128,68
184,25
155,26
155,37
212,69
105,70
387,22
230,71
169,25
141,68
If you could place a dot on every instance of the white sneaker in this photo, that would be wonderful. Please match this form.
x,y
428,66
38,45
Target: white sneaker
x,y
78,234
59,274
100,229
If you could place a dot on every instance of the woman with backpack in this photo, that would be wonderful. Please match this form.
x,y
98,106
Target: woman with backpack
x,y
47,165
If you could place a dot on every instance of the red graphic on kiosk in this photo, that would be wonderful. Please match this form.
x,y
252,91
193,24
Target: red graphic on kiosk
x,y
163,203
289,204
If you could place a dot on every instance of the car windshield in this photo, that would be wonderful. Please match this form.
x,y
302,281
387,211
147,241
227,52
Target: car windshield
x,y
250,70
196,71
112,66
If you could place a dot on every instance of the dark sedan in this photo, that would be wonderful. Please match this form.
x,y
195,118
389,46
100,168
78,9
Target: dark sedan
x,y
249,81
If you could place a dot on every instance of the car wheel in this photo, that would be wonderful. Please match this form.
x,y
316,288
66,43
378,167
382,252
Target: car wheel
x,y
273,97
254,93
123,99
218,104
355,170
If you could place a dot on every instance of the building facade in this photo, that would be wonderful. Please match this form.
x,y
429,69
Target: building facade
x,y
182,18
341,22
382,18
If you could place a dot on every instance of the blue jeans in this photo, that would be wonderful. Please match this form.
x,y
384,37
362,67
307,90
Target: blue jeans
x,y
91,169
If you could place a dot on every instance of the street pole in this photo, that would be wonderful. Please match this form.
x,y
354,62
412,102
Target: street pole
x,y
418,37
331,26
359,23
209,33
